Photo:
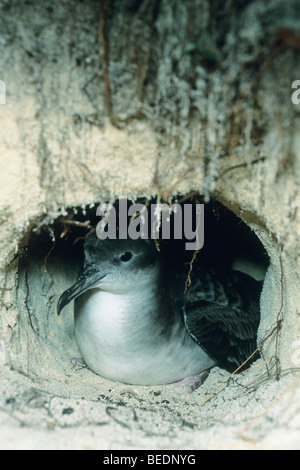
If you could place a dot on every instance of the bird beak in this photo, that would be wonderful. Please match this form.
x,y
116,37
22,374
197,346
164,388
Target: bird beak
x,y
89,278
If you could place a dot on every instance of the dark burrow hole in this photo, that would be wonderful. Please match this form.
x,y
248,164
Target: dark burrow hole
x,y
228,241
53,257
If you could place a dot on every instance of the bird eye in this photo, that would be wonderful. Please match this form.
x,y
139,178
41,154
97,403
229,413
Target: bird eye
x,y
126,256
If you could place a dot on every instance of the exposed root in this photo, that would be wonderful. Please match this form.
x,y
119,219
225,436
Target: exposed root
x,y
275,329
241,165
188,281
84,237
227,378
27,306
115,121
44,267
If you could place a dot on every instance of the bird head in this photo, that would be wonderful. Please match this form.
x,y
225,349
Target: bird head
x,y
115,266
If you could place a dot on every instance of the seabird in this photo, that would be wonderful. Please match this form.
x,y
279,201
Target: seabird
x,y
136,323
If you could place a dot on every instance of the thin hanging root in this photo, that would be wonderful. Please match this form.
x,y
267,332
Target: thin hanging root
x,y
64,232
104,55
67,223
75,223
258,378
188,281
278,324
250,383
279,318
44,267
154,238
229,377
155,226
27,304
241,165
115,121
261,363
84,237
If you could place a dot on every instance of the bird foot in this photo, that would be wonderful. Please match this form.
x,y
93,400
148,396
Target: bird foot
x,y
194,381
77,361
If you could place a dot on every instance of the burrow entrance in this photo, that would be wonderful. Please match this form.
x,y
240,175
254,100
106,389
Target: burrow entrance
x,y
42,343
53,257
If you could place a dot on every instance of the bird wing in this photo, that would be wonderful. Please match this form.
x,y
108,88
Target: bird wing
x,y
222,314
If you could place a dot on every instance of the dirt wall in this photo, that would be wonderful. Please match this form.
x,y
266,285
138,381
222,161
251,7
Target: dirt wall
x,y
143,99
